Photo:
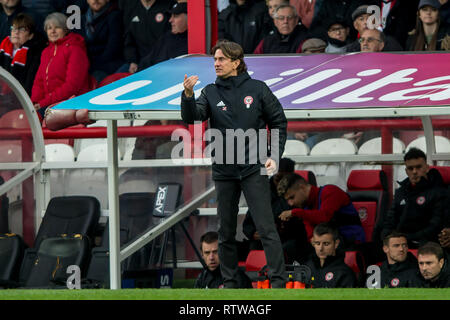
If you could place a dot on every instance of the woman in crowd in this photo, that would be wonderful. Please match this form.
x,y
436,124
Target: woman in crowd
x,y
429,31
63,71
20,52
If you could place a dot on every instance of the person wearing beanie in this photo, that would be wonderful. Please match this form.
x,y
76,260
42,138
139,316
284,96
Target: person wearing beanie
x,y
337,37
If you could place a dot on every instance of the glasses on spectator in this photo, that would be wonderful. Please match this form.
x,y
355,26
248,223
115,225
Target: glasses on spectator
x,y
19,29
337,29
282,18
369,40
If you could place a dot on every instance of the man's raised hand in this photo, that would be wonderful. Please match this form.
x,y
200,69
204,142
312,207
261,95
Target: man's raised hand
x,y
189,84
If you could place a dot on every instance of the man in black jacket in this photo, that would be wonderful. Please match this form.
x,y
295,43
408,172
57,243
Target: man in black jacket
x,y
171,44
237,107
243,22
211,277
420,204
400,270
328,269
433,265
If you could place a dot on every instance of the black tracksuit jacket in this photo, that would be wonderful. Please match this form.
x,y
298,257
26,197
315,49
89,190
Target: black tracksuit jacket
x,y
334,273
223,104
418,211
401,274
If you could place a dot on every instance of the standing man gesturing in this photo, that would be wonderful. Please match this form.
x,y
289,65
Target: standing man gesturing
x,y
236,103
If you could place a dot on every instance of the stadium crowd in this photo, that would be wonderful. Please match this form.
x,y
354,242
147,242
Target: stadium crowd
x,y
55,62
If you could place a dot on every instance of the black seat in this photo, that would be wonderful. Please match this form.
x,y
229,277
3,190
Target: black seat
x,y
53,258
135,218
11,254
4,206
64,215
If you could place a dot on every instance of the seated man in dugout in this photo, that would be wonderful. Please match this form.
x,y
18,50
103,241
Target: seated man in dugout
x,y
433,266
420,204
328,268
315,205
400,269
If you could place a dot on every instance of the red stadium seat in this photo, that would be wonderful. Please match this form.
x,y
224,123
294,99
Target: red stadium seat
x,y
445,173
14,119
309,176
92,83
113,77
368,191
355,261
413,251
256,259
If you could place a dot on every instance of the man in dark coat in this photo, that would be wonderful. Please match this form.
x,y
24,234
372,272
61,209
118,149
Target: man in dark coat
x,y
433,265
420,203
211,277
328,269
11,9
102,30
400,270
235,103
144,22
173,43
243,22
288,35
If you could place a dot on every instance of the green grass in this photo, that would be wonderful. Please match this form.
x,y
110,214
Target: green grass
x,y
242,294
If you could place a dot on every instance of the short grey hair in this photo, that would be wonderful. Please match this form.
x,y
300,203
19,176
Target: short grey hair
x,y
282,6
58,19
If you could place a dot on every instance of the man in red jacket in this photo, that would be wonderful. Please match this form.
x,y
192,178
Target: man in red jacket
x,y
316,205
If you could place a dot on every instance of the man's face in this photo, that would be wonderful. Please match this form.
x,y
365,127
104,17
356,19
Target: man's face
x,y
179,23
429,265
224,66
272,5
324,245
296,196
416,169
370,41
338,31
428,15
97,5
396,250
360,23
210,253
285,20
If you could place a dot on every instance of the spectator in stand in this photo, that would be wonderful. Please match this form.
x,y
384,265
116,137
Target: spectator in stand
x,y
420,204
243,22
288,34
397,17
173,43
292,233
433,266
211,277
333,10
372,40
63,71
360,17
445,11
321,204
305,10
269,25
328,269
11,8
337,37
429,31
144,21
20,53
400,269
102,30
